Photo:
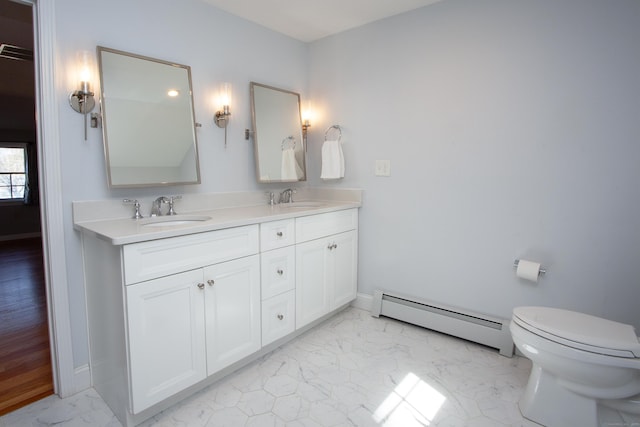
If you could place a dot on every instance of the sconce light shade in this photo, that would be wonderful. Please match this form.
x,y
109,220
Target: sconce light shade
x,y
82,100
222,116
306,114
226,93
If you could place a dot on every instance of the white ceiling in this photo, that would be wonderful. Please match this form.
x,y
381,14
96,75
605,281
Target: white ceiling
x,y
309,20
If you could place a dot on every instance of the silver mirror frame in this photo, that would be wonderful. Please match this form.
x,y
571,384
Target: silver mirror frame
x,y
189,134
276,144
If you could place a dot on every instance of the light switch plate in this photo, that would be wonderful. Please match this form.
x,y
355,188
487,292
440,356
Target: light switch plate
x,y
383,168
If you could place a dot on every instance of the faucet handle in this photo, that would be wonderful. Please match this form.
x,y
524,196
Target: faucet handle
x,y
136,206
171,200
272,197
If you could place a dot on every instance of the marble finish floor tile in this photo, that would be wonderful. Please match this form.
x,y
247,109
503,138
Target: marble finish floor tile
x,y
352,370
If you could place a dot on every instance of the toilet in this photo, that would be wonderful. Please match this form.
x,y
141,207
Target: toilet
x,y
585,370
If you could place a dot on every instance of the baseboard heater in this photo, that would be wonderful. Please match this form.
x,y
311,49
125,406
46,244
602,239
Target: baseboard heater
x,y
490,331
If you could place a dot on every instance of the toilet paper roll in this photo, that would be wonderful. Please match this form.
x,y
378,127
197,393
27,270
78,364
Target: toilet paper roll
x,y
528,270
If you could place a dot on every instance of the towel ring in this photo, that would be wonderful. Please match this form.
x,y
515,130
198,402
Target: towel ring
x,y
287,139
337,127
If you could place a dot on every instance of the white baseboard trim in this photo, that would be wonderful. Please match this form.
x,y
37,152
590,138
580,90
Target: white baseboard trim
x,y
81,379
363,302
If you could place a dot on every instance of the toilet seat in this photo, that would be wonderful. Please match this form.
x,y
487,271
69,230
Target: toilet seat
x,y
580,331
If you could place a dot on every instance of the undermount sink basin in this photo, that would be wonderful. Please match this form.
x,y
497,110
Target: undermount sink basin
x,y
301,205
168,221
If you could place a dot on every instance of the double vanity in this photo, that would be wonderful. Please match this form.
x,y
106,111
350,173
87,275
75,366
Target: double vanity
x,y
177,302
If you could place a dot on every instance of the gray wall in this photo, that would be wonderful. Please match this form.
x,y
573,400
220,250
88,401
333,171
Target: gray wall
x,y
512,128
218,47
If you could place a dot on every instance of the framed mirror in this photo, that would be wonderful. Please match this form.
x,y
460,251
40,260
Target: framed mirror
x,y
148,121
277,125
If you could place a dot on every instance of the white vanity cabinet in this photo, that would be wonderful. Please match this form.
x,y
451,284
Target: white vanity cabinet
x,y
172,314
166,314
326,263
187,326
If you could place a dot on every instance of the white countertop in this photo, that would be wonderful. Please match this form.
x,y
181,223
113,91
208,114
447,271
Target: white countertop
x,y
124,231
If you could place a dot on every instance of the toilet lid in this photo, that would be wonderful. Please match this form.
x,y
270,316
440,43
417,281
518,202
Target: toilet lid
x,y
580,330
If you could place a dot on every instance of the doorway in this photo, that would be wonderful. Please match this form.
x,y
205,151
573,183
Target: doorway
x,y
25,356
25,351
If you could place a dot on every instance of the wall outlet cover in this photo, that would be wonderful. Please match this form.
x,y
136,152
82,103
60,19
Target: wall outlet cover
x,y
383,168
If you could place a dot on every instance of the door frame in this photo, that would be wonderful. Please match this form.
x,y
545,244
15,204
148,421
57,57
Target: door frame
x,y
51,206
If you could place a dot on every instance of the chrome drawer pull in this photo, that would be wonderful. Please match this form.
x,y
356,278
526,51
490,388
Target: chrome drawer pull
x,y
279,234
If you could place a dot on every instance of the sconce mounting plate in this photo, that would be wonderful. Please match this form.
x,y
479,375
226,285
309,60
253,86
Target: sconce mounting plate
x,y
82,103
221,119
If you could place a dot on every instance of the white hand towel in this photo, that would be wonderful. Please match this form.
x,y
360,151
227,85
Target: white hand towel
x,y
290,170
332,160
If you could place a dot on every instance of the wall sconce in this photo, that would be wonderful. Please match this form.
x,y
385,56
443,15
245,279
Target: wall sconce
x,y
222,116
306,124
82,99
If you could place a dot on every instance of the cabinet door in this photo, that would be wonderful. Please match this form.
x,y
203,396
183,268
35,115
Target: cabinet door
x,y
345,268
326,275
312,281
232,311
166,322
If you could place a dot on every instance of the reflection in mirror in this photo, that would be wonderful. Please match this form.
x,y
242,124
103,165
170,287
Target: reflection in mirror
x,y
148,121
279,147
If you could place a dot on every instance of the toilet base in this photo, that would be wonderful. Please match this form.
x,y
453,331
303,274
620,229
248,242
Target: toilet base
x,y
630,406
547,402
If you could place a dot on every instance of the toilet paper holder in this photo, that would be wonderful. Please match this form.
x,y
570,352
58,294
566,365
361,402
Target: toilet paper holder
x,y
540,272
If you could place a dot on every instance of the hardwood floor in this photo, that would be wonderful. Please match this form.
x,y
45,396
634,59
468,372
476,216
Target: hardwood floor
x,y
25,358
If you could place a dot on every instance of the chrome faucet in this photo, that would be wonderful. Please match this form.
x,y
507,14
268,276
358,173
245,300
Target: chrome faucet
x,y
156,206
287,196
172,199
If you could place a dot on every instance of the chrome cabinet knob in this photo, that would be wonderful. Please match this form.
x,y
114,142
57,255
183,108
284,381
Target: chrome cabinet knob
x,y
279,234
280,272
200,285
211,282
280,317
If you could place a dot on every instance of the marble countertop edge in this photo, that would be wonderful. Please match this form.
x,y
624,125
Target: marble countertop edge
x,y
122,231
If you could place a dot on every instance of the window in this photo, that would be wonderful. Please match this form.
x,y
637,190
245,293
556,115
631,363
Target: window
x,y
12,172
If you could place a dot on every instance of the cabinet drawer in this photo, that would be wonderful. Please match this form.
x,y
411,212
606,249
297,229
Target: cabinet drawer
x,y
277,234
278,317
156,258
278,271
315,226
